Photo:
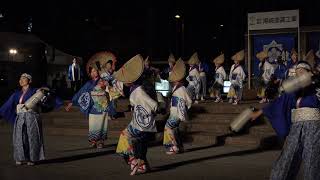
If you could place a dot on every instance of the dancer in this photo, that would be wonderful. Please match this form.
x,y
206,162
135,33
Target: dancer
x,y
194,78
27,132
236,77
220,76
296,118
133,141
93,101
180,103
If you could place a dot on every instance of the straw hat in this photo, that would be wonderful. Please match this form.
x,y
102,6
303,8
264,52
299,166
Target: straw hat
x,y
171,58
293,51
131,70
262,55
194,59
178,71
99,61
309,57
239,56
219,59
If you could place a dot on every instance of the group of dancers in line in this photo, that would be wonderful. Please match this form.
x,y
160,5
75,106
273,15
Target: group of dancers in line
x,y
294,116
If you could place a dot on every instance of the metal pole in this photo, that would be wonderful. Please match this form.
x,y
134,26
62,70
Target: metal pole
x,y
299,51
249,58
182,37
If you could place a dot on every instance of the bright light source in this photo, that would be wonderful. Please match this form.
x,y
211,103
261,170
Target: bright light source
x,y
177,16
1,15
221,25
13,51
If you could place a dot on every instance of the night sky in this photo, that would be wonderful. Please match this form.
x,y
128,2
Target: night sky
x,y
149,28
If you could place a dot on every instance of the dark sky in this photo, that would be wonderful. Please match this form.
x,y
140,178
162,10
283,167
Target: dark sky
x,y
146,27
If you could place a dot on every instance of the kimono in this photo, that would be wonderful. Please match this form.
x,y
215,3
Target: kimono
x,y
296,117
236,77
203,68
217,87
93,102
291,69
27,131
132,144
180,103
194,82
280,72
267,72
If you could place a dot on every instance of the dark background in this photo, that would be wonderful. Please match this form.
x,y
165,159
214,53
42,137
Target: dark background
x,y
130,27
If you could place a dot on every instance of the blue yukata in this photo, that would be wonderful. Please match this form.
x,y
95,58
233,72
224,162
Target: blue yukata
x,y
93,102
180,103
194,82
296,117
133,141
27,131
280,72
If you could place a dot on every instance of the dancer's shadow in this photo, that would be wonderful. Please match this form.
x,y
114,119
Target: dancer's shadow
x,y
77,157
87,148
220,141
266,144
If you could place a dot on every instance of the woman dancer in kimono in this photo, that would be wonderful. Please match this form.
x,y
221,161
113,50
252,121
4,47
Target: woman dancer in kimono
x,y
133,141
296,118
93,101
220,76
27,132
268,71
180,103
236,77
194,78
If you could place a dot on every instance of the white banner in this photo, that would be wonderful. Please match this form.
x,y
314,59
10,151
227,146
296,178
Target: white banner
x,y
273,20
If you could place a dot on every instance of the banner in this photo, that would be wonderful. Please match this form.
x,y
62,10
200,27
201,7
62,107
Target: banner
x,y
276,45
273,20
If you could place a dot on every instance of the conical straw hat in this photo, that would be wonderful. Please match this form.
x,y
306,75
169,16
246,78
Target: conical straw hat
x,y
309,57
171,58
194,59
99,61
178,71
219,59
131,70
262,55
239,56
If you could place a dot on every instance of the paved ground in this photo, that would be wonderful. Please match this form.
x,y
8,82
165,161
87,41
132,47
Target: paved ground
x,y
68,157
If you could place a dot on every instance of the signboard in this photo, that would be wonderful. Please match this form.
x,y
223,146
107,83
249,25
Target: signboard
x,y
273,20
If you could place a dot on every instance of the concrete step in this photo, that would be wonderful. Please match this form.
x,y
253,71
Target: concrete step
x,y
212,118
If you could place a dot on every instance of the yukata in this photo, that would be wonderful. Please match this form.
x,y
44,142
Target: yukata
x,y
280,72
27,131
180,103
203,79
133,141
267,73
296,118
217,87
236,77
194,82
93,102
291,69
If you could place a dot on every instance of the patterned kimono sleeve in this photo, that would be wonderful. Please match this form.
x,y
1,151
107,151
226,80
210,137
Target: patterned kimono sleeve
x,y
83,98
